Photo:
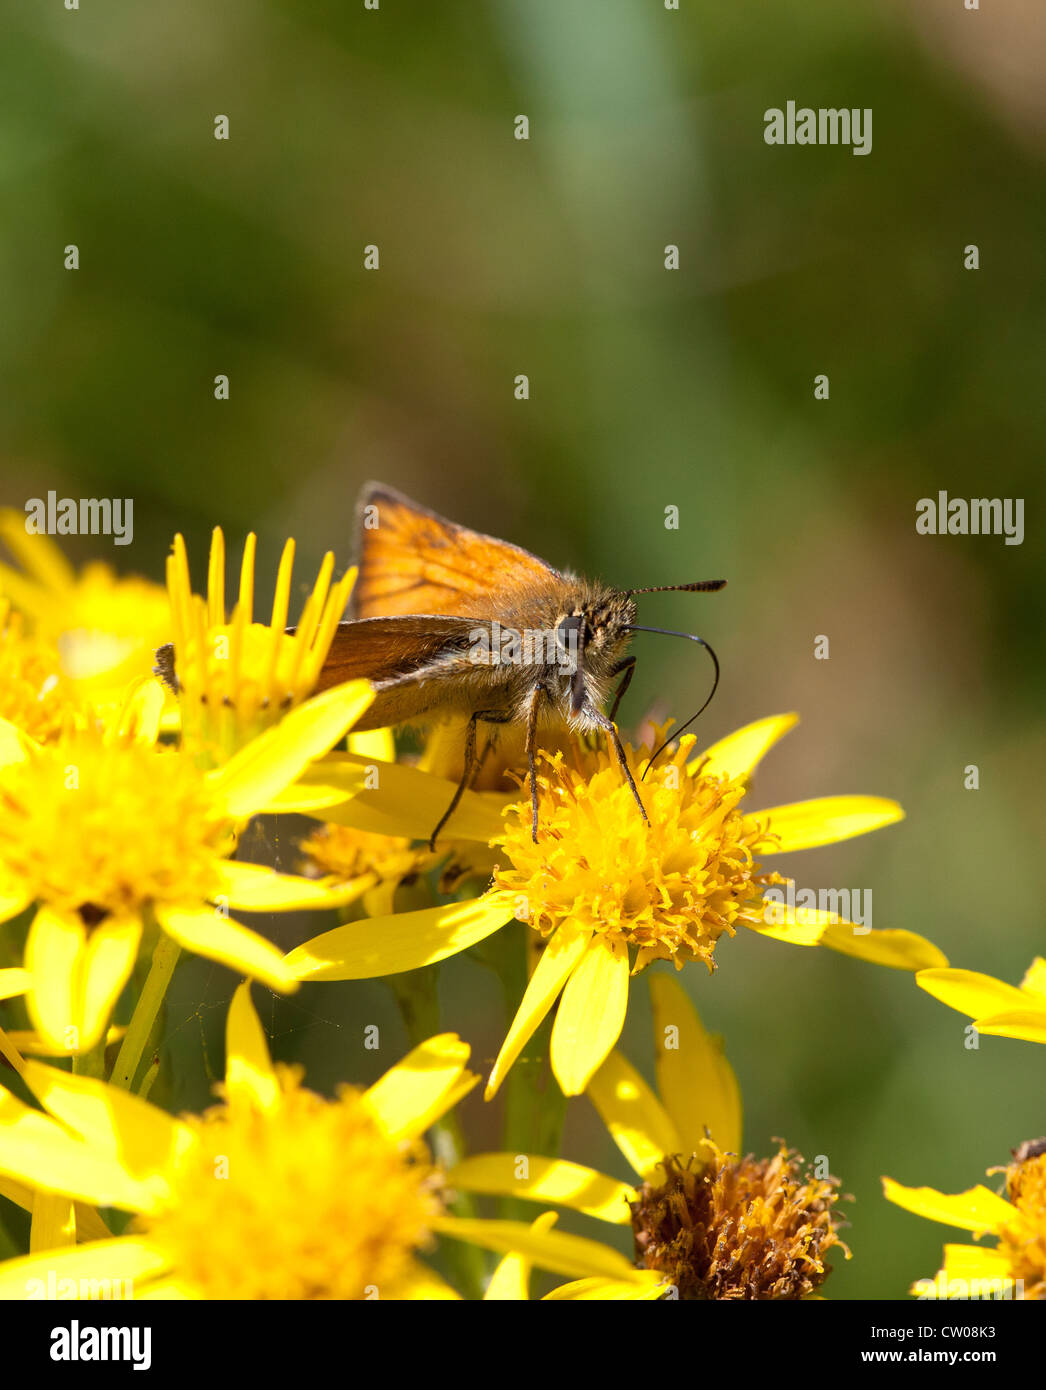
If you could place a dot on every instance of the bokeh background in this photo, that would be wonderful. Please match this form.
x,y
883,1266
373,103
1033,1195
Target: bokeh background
x,y
648,388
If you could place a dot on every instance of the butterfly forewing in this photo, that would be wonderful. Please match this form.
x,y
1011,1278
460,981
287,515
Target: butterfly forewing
x,y
412,561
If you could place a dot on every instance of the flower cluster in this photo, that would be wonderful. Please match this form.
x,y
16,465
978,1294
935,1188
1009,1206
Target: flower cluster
x,y
143,729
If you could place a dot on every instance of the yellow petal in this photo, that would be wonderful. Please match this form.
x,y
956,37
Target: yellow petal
x,y
591,1014
270,762
249,1073
13,982
798,926
902,950
824,821
547,1180
609,1290
565,949
1034,981
143,1137
54,1222
740,753
414,1093
36,1150
985,1271
15,746
977,1209
696,1082
422,1283
210,934
575,1256
401,941
970,992
639,1124
255,888
391,799
125,1257
89,1224
77,976
510,1282
376,745
1027,1024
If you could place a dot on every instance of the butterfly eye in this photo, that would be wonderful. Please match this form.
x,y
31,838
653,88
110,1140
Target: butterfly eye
x,y
568,639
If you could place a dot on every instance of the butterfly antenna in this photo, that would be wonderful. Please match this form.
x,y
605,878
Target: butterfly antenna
x,y
691,637
703,586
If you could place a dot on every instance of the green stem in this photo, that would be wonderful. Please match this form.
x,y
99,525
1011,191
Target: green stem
x,y
92,1062
165,958
417,994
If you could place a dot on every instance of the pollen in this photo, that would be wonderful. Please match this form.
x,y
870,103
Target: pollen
x,y
106,827
1024,1241
755,1229
346,853
669,887
310,1200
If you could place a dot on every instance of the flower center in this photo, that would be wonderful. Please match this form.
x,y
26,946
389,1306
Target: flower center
x,y
102,829
309,1201
1025,1239
348,853
670,887
748,1228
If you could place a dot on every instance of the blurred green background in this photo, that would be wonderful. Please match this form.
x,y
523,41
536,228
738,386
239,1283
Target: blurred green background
x,y
648,388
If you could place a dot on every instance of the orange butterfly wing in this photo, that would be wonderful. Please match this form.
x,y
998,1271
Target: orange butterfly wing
x,y
412,561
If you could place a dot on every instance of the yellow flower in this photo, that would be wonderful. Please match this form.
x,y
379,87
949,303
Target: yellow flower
x,y
1007,1011
106,628
1016,1267
711,1224
236,677
108,834
35,695
276,1193
606,890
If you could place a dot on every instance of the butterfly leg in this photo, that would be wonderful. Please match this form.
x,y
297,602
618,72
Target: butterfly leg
x,y
489,716
614,738
626,669
532,732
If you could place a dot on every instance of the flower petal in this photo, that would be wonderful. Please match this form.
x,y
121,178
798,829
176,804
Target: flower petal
x,y
970,992
124,1257
54,1222
607,1290
417,1091
40,1152
798,926
1034,981
1027,1024
89,1224
977,1209
696,1082
273,760
249,1074
901,950
639,1124
209,933
401,941
575,1256
510,1282
420,1282
547,1180
77,976
255,888
591,1014
824,821
740,753
391,799
565,949
14,981
147,1140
